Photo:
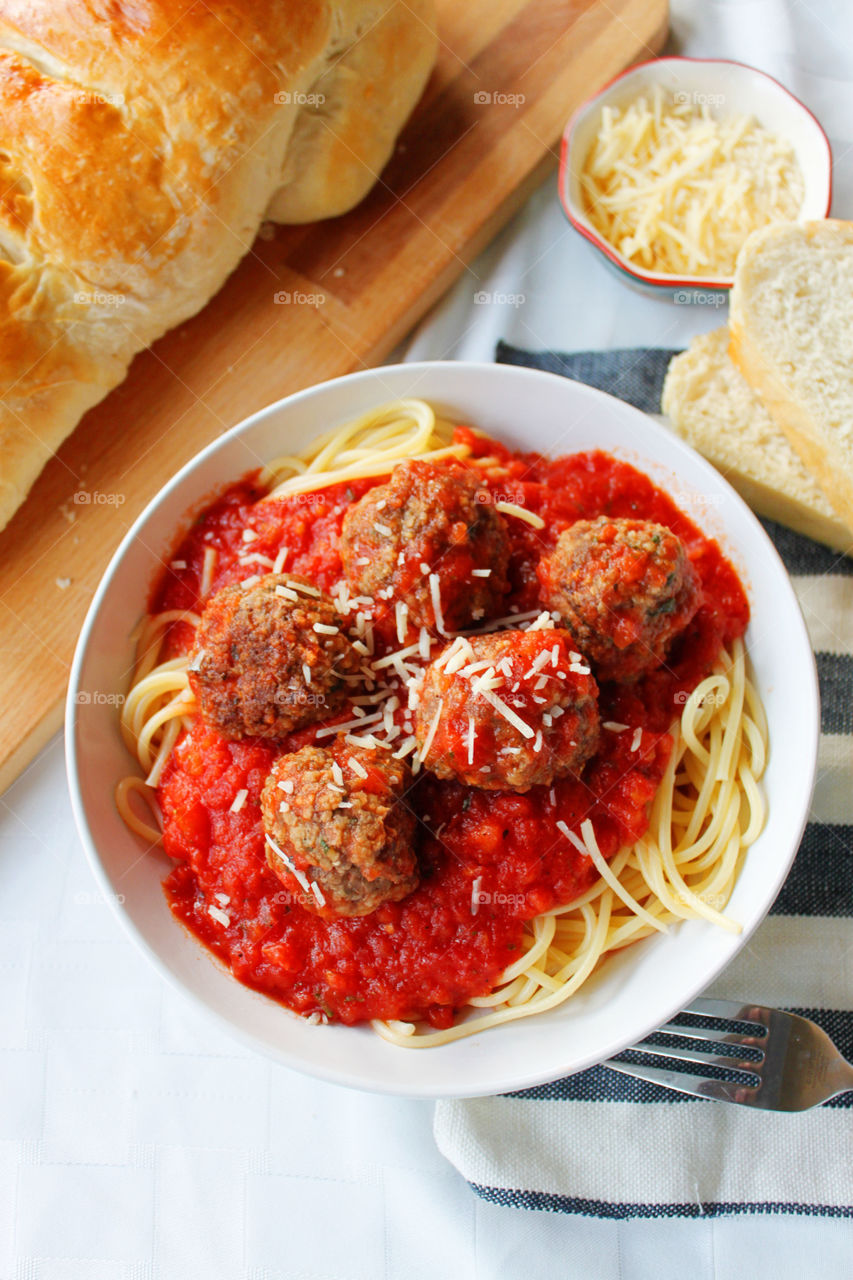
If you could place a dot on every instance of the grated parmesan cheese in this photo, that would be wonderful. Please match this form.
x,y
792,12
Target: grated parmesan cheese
x,y
544,622
424,751
207,568
435,593
357,723
507,712
401,613
677,190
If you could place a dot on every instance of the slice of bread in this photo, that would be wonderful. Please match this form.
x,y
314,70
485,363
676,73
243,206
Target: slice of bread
x,y
711,406
791,323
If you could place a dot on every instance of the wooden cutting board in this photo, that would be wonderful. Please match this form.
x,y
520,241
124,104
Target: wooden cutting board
x,y
509,74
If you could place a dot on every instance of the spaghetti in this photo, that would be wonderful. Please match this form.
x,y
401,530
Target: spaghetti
x,y
687,841
707,810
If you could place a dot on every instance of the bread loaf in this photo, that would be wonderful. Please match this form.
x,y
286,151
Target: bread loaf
x,y
143,144
711,406
791,327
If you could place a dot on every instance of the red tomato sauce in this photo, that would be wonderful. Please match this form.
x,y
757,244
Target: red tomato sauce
x,y
489,860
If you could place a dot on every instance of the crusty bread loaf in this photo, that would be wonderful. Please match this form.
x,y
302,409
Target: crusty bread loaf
x,y
143,144
791,325
711,406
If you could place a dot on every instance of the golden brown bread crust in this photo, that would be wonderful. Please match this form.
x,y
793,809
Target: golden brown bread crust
x,y
143,143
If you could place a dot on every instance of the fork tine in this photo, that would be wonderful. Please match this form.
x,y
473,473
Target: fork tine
x,y
706,1007
749,1065
715,1037
683,1082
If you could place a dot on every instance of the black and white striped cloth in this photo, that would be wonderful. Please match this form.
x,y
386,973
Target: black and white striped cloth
x,y
606,1145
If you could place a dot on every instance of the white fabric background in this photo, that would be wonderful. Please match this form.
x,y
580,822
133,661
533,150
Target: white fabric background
x,y
137,1142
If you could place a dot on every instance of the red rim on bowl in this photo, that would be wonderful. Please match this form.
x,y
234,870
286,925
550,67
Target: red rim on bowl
x,y
579,221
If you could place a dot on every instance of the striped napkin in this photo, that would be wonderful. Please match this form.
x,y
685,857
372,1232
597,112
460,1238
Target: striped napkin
x,y
606,1145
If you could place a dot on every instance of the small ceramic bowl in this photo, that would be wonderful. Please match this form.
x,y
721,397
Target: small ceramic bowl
x,y
728,88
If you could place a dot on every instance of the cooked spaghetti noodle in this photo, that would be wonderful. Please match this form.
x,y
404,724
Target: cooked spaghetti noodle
x,y
369,446
707,809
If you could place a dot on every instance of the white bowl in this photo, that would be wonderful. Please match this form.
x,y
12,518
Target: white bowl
x,y
633,992
729,88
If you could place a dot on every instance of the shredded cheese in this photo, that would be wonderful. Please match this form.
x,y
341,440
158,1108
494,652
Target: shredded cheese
x,y
677,190
508,714
209,564
424,751
435,593
357,723
357,767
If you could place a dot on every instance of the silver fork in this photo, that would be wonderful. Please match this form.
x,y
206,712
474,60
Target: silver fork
x,y
787,1063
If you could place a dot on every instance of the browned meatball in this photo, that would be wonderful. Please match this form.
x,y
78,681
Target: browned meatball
x,y
519,713
269,658
338,828
432,530
624,588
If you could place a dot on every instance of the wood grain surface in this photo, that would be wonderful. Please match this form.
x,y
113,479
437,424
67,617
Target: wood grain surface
x,y
306,304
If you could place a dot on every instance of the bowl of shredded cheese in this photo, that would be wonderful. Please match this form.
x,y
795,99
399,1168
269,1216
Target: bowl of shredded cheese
x,y
673,164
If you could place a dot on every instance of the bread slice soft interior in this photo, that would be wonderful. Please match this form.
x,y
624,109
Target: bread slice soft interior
x,y
711,406
791,324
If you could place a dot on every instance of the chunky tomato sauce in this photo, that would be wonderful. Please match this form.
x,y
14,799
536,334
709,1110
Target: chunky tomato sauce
x,y
490,860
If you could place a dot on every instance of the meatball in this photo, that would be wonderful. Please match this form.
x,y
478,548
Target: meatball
x,y
270,658
431,531
337,826
509,711
625,589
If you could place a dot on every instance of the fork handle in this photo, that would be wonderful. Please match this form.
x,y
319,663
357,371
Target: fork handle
x,y
837,1073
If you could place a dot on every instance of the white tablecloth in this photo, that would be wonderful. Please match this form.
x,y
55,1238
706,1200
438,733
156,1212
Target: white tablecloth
x,y
138,1142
